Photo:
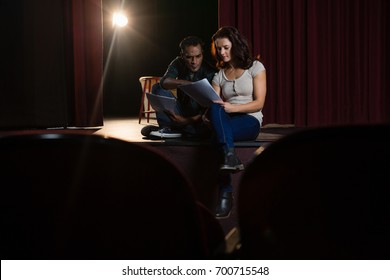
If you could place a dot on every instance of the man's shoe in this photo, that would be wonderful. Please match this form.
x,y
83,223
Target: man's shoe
x,y
146,130
224,206
165,133
232,163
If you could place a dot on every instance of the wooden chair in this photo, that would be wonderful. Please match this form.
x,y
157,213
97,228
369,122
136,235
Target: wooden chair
x,y
70,196
318,194
146,85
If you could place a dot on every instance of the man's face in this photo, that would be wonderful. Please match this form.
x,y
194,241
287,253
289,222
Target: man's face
x,y
193,57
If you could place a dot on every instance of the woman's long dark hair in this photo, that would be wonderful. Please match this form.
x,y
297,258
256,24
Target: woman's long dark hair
x,y
240,48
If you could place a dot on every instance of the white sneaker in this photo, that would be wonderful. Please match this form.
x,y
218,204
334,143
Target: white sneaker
x,y
165,132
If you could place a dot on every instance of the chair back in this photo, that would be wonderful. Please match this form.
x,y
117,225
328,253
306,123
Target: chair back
x,y
320,193
146,110
68,196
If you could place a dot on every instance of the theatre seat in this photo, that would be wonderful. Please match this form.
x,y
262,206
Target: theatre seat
x,y
71,196
318,194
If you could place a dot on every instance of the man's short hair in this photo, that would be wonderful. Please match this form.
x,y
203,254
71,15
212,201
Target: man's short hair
x,y
190,41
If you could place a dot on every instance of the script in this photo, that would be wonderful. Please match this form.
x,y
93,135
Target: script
x,y
201,91
162,103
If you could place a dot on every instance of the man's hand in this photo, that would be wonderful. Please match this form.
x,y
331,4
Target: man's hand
x,y
180,120
177,118
205,118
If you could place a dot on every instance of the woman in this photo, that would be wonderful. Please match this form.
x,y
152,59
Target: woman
x,y
241,83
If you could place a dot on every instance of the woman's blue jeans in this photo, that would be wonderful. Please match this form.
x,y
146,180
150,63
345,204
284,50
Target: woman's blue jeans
x,y
231,127
227,129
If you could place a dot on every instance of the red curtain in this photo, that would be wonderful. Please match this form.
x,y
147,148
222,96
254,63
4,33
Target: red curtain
x,y
84,32
327,61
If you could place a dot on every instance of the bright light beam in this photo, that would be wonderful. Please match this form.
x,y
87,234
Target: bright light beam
x,y
119,19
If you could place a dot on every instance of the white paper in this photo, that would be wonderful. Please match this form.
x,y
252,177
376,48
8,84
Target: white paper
x,y
162,103
201,91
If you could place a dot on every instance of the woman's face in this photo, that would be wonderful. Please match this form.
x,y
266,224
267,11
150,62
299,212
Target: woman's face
x,y
224,47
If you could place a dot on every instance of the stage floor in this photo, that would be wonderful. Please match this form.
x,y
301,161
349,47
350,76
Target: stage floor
x,y
129,129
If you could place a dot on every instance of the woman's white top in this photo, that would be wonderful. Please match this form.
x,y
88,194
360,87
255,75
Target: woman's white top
x,y
240,90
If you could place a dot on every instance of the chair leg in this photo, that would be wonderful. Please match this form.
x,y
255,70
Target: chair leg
x,y
148,114
141,109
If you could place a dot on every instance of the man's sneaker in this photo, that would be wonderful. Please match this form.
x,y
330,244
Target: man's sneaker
x,y
232,163
146,130
165,132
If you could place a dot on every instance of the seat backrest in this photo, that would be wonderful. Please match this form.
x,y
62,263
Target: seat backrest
x,y
319,193
147,82
89,197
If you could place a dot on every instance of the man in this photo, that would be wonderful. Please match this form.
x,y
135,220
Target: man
x,y
187,118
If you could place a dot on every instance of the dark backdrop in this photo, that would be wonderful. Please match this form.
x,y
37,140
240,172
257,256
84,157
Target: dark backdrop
x,y
148,44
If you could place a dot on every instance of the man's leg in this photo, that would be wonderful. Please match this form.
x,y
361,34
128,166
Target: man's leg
x,y
162,119
167,128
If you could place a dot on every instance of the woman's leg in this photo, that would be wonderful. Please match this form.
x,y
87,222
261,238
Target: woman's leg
x,y
232,127
244,127
229,128
225,196
220,122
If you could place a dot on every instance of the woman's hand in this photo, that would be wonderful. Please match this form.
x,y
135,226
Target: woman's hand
x,y
229,108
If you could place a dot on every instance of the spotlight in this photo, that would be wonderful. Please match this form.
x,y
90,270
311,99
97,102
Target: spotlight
x,y
119,19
